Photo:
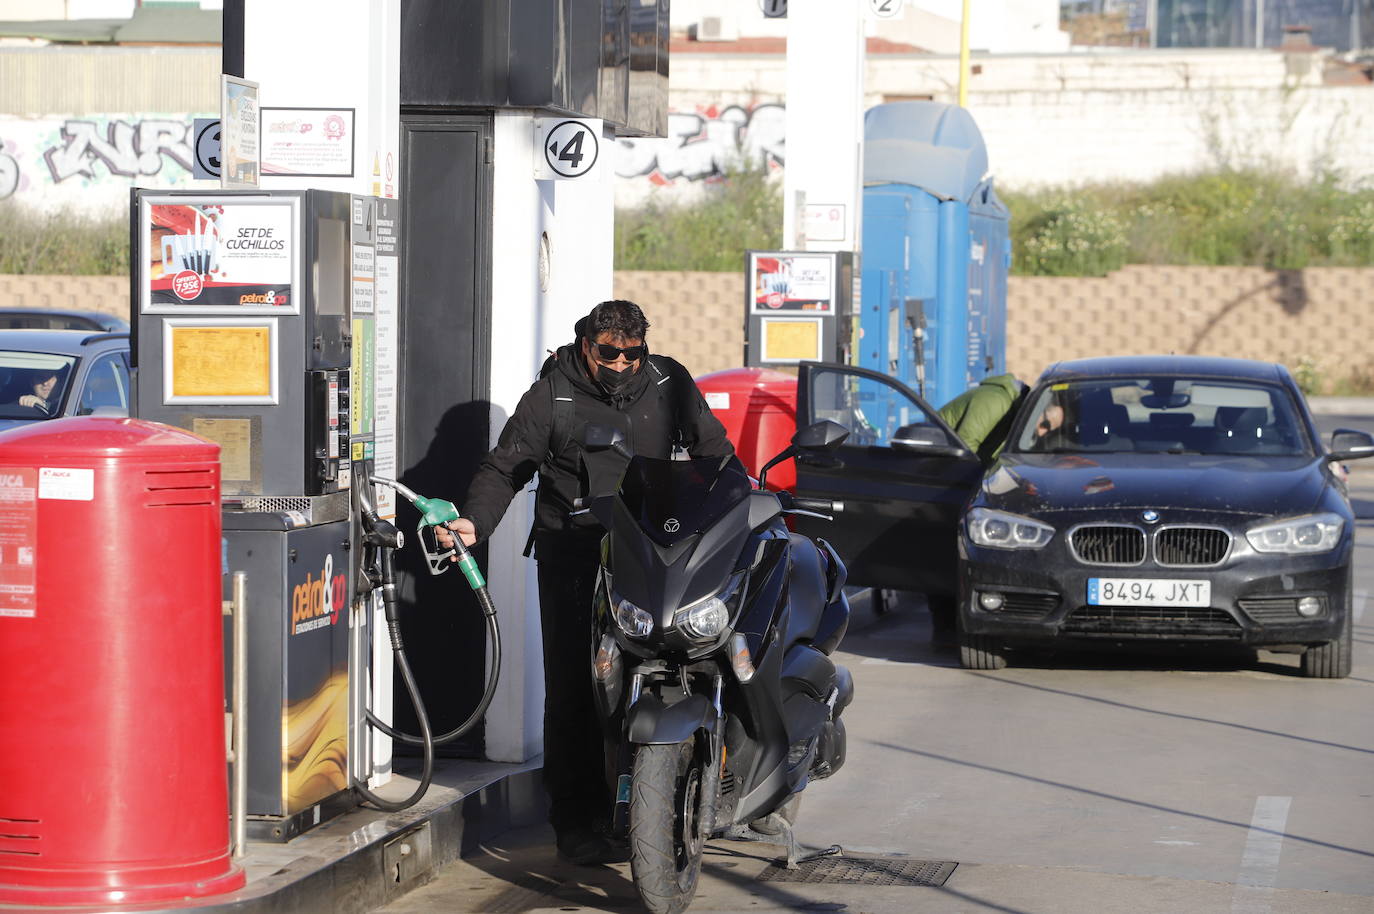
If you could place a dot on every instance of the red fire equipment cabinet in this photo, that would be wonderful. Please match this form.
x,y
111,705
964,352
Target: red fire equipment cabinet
x,y
113,784
758,407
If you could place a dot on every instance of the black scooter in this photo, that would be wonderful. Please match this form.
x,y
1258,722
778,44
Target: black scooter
x,y
712,630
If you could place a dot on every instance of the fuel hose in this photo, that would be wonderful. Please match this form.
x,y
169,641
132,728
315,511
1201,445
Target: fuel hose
x,y
388,539
468,565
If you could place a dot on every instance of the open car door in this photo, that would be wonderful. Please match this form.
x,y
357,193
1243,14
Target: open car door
x,y
902,474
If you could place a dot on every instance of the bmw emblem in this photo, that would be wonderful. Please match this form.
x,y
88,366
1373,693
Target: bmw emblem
x,y
1149,517
671,525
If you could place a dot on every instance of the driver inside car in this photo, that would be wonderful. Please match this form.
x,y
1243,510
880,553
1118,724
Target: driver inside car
x,y
42,386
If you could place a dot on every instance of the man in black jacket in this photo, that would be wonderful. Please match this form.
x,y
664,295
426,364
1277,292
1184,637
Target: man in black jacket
x,y
606,377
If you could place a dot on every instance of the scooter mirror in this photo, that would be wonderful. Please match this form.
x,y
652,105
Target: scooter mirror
x,y
824,434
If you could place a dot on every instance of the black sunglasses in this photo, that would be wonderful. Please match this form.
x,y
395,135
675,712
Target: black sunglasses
x,y
608,353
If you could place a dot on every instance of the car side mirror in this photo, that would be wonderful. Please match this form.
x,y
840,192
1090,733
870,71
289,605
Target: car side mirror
x,y
929,440
822,435
1349,444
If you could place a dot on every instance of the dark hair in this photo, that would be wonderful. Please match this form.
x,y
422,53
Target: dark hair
x,y
617,317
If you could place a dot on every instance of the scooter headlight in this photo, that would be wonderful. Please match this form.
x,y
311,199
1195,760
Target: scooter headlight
x,y
706,619
632,620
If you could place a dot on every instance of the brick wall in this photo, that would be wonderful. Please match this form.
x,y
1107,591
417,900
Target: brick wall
x,y
109,294
1322,315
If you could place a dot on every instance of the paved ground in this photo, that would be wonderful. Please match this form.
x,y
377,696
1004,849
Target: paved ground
x,y
1066,783
1074,783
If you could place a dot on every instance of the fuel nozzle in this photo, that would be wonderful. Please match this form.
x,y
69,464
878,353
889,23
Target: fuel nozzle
x,y
436,512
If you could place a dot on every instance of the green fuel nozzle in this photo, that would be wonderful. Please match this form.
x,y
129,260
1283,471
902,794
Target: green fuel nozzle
x,y
436,512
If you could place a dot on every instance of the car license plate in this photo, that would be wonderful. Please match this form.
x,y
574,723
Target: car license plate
x,y
1148,592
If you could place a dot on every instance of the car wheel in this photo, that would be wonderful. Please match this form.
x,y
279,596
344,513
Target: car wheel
x,y
979,652
1332,659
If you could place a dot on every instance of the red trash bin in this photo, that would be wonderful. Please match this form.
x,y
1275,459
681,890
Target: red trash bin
x,y
113,784
758,407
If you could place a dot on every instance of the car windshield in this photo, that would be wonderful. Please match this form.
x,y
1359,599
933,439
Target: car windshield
x,y
1163,414
33,384
674,499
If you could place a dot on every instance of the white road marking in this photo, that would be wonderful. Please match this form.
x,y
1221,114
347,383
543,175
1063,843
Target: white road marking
x,y
1177,843
1259,865
1360,596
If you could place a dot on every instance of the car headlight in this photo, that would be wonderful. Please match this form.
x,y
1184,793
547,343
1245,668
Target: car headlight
x,y
1001,530
633,621
1309,533
706,619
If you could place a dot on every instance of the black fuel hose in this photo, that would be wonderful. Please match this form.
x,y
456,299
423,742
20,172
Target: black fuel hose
x,y
426,740
493,676
388,538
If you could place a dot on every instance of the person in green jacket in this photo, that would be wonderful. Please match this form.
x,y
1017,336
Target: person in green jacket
x,y
982,416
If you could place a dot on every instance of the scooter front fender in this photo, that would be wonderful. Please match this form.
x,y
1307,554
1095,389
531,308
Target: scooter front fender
x,y
653,723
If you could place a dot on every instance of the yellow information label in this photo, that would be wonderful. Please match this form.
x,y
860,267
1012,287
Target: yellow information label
x,y
234,361
791,340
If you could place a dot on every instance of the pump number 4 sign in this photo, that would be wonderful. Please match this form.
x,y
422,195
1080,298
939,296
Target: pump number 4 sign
x,y
567,148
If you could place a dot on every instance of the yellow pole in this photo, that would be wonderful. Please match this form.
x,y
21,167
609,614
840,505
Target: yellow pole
x,y
963,58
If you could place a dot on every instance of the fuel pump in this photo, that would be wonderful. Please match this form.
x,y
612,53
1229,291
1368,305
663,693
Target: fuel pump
x,y
258,327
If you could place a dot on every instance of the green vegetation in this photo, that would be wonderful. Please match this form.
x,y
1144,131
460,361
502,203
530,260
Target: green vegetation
x,y
1227,218
742,211
1224,218
62,244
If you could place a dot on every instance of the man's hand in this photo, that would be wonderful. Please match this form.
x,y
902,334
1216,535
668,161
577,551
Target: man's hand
x,y
465,530
33,400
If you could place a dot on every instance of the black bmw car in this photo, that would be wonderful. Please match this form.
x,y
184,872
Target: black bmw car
x,y
1172,498
1139,500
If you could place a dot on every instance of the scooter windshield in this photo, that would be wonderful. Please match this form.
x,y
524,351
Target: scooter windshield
x,y
675,499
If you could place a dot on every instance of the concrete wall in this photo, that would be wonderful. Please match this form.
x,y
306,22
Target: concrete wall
x,y
1047,118
1324,316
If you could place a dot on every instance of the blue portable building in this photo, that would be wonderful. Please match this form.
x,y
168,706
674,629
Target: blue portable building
x,y
936,251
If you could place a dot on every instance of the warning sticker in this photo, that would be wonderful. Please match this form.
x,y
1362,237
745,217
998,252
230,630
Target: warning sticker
x,y
18,542
74,484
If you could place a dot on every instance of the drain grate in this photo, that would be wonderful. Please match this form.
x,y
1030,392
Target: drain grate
x,y
900,871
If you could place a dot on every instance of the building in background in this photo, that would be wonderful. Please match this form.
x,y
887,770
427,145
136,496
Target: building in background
x,y
1342,25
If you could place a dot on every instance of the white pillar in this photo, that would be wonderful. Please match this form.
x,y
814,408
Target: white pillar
x,y
345,54
824,120
528,319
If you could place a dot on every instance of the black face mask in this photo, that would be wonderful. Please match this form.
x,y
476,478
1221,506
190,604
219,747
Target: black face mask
x,y
612,381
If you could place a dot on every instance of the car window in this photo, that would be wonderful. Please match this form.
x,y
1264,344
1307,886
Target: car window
x,y
1164,414
107,384
33,385
871,408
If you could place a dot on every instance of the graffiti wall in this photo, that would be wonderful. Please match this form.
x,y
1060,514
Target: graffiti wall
x,y
699,148
88,164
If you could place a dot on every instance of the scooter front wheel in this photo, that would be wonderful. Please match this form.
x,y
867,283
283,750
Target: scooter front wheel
x,y
667,828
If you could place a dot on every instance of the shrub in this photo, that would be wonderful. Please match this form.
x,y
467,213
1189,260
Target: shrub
x,y
741,211
62,243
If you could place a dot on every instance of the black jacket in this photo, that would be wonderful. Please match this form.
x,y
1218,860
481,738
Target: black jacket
x,y
651,415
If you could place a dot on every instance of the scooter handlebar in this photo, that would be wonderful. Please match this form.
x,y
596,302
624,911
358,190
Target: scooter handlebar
x,y
800,503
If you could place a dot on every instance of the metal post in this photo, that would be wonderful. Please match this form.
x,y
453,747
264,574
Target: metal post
x,y
239,812
963,57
